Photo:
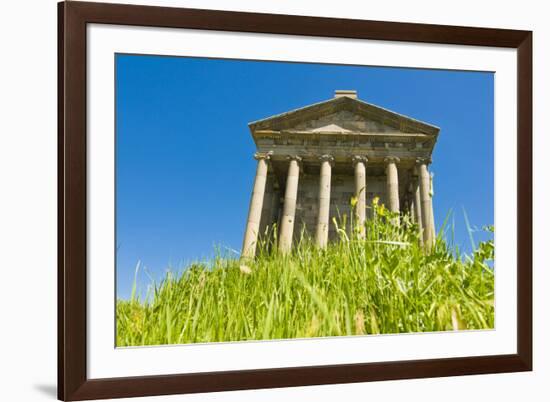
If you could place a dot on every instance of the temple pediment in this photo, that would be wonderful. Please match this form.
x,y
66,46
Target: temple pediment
x,y
346,122
346,115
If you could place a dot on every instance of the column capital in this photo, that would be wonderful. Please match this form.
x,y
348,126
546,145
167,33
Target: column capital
x,y
392,159
327,158
359,158
263,155
423,161
296,158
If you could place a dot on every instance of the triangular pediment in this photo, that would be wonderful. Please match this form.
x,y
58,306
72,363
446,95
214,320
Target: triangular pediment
x,y
345,122
343,115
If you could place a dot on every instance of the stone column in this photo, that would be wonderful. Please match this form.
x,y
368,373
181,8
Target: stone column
x,y
426,202
324,200
432,220
359,163
289,208
256,204
417,207
392,186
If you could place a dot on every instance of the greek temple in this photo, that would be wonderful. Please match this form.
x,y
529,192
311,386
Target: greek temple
x,y
313,160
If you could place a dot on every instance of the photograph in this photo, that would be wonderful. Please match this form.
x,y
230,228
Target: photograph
x,y
269,200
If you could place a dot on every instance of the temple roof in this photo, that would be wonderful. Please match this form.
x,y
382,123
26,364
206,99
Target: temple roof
x,y
345,114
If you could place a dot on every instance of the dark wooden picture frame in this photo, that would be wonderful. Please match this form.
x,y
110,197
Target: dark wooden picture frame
x,y
73,383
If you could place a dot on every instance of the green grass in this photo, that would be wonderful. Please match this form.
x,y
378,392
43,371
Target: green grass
x,y
385,283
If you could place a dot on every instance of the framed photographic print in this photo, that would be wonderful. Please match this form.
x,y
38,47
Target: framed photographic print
x,y
253,200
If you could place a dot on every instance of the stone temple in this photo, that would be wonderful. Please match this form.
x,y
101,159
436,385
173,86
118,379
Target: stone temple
x,y
313,160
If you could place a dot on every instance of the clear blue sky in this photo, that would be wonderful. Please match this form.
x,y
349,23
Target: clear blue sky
x,y
184,166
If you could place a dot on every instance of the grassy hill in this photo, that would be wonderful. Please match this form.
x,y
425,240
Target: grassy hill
x,y
384,283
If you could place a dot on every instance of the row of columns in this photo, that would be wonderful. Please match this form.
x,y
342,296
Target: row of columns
x,y
422,202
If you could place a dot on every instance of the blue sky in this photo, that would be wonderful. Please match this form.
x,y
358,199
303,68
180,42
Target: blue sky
x,y
184,165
